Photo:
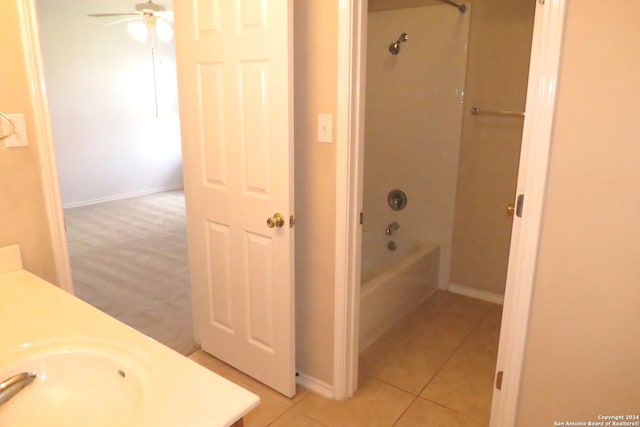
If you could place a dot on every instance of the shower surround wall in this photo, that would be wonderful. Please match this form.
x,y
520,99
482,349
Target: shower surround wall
x,y
414,120
497,72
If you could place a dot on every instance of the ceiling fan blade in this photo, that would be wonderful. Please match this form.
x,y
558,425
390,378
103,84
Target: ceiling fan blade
x,y
119,21
101,15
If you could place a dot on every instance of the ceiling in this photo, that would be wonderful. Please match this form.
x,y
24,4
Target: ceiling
x,y
97,6
378,5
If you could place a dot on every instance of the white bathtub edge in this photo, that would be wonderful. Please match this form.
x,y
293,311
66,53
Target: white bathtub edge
x,y
368,339
373,283
391,294
476,293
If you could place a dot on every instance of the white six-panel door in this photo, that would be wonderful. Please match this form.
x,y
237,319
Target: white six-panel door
x,y
235,87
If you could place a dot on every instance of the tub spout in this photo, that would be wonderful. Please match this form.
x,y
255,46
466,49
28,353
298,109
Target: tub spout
x,y
391,228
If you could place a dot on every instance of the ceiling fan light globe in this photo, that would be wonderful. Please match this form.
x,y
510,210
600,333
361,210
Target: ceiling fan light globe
x,y
164,31
139,31
167,16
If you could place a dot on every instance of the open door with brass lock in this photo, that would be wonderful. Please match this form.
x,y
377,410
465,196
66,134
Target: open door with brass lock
x,y
236,100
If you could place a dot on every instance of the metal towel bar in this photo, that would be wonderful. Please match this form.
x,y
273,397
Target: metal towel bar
x,y
461,6
476,111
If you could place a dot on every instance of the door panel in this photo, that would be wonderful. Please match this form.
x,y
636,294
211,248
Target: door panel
x,y
210,82
234,71
219,277
259,288
255,140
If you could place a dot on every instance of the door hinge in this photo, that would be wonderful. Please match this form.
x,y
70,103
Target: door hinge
x,y
361,218
520,205
499,376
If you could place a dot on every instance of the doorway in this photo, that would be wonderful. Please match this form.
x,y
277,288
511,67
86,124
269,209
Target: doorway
x,y
259,181
544,70
456,171
113,104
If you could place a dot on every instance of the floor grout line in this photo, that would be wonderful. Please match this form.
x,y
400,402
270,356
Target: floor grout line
x,y
457,411
397,387
453,353
290,408
299,413
405,411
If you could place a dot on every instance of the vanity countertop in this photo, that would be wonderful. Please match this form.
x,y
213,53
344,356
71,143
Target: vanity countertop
x,y
183,393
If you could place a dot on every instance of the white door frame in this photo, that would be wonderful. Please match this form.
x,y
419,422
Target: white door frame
x,y
352,34
46,151
538,125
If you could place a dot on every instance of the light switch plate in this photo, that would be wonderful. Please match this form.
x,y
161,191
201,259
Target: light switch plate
x,y
19,138
325,128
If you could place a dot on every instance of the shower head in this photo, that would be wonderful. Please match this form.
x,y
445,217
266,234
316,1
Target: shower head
x,y
394,48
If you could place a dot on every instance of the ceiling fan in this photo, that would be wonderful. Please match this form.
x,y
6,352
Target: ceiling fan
x,y
149,19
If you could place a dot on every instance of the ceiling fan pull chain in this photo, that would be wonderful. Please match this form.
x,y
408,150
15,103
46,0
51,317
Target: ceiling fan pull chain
x,y
155,85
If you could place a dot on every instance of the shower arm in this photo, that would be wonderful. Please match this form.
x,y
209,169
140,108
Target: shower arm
x,y
404,37
461,7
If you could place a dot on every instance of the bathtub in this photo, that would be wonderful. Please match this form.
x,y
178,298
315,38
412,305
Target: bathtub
x,y
393,282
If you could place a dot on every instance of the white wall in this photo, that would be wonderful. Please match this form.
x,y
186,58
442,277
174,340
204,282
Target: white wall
x,y
315,56
413,121
109,143
583,342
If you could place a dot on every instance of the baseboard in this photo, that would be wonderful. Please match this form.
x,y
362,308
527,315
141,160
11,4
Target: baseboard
x,y
122,196
476,293
315,385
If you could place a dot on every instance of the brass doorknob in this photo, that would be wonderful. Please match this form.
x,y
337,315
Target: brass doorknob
x,y
277,220
511,208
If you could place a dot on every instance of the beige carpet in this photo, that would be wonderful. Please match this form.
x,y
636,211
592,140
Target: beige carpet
x,y
129,259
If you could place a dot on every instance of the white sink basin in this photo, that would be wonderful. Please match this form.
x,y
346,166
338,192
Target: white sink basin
x,y
77,385
93,371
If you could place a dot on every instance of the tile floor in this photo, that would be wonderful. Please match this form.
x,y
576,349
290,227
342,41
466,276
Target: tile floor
x,y
434,368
